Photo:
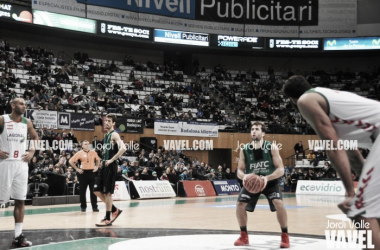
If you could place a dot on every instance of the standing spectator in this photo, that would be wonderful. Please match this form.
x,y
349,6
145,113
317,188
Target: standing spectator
x,y
298,148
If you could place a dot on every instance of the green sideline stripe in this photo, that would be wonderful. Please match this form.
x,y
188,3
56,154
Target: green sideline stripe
x,y
146,203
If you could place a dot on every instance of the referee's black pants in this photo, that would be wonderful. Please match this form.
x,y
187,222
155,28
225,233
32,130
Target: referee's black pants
x,y
87,179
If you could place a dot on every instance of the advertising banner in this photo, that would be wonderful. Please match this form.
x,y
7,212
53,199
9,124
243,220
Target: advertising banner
x,y
226,187
180,37
335,19
196,189
16,13
241,42
118,30
294,44
129,125
42,118
67,7
151,189
64,120
360,43
82,122
320,187
64,21
185,128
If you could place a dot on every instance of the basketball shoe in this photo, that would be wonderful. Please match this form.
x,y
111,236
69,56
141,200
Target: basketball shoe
x,y
243,239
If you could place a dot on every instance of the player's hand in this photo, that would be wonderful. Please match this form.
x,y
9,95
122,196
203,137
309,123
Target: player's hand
x,y
95,169
108,162
345,205
80,171
27,157
4,155
265,182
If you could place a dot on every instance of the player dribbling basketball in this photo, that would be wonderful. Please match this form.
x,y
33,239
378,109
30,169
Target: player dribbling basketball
x,y
262,158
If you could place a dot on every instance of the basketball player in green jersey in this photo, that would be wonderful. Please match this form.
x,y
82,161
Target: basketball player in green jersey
x,y
113,148
14,163
261,158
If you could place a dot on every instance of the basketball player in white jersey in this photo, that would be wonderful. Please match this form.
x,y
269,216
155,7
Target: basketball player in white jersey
x,y
14,163
339,115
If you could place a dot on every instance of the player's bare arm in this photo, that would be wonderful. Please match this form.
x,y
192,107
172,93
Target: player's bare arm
x,y
34,136
116,138
241,166
356,161
277,162
311,106
3,154
97,163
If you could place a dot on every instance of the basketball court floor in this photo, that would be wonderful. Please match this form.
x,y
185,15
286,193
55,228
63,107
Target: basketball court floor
x,y
176,223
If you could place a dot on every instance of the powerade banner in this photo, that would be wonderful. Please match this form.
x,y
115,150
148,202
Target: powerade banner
x,y
360,43
294,44
64,21
129,125
185,128
123,31
241,42
320,187
180,37
82,122
15,12
176,8
226,187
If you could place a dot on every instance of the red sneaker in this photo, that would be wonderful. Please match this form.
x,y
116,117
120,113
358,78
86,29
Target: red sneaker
x,y
284,240
243,239
104,223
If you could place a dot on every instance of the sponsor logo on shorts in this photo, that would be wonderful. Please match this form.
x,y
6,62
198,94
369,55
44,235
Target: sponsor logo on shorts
x,y
245,196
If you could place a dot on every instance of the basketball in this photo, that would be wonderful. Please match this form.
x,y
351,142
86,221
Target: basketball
x,y
254,183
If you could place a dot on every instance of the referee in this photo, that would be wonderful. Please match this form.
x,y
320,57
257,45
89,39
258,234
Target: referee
x,y
86,174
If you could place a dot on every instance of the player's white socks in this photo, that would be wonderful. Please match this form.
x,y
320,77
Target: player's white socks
x,y
18,229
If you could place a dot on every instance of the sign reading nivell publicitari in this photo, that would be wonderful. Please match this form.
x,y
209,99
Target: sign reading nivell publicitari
x,y
263,12
180,37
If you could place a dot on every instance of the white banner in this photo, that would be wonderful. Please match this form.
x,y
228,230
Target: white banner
x,y
120,192
42,118
185,128
271,31
153,189
320,187
336,18
68,7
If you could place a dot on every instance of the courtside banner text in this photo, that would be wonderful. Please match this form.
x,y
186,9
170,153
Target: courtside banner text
x,y
226,187
42,118
118,30
153,189
80,121
320,187
195,189
358,43
185,128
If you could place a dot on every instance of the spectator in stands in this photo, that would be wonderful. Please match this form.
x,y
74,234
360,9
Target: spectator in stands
x,y
298,149
211,176
311,175
220,175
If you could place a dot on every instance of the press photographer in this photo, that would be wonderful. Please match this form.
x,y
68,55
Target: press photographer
x,y
37,187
